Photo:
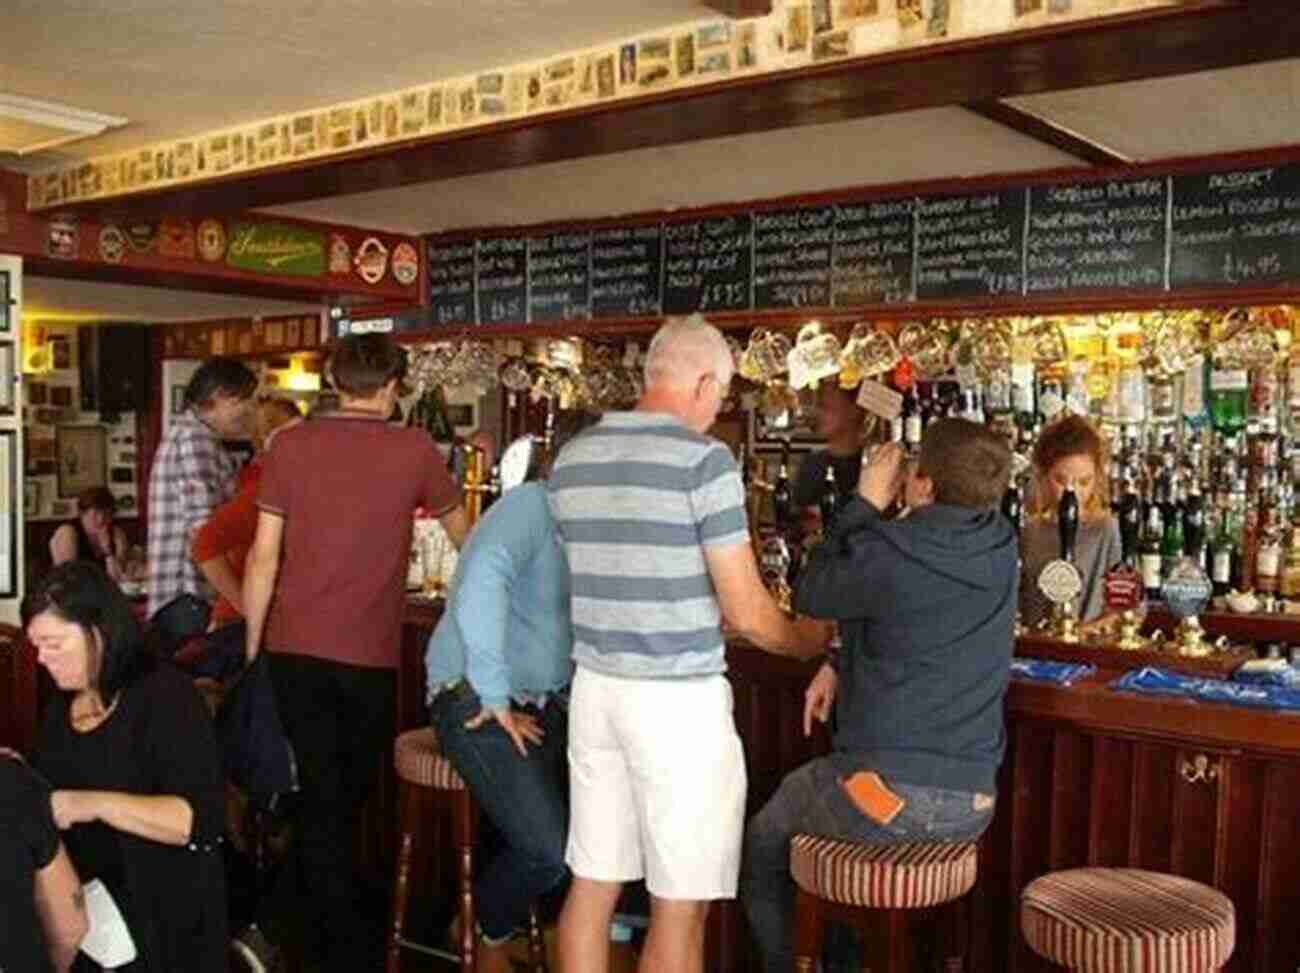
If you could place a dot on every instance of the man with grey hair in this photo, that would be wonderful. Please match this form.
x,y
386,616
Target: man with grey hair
x,y
652,514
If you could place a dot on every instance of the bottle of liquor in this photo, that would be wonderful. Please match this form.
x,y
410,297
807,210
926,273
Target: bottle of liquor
x,y
1129,514
1194,536
782,499
829,503
1162,403
1290,582
1223,554
1013,505
1262,404
1171,543
1194,411
1022,389
1149,553
1268,562
1229,388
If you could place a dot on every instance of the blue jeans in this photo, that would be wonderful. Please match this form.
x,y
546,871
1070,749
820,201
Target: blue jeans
x,y
811,801
527,799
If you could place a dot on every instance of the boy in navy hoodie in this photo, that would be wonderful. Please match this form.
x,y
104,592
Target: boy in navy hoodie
x,y
925,607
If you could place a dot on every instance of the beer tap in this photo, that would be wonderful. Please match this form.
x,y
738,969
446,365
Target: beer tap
x,y
1060,581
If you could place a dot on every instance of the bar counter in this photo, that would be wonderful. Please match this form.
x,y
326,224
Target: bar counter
x,y
1091,777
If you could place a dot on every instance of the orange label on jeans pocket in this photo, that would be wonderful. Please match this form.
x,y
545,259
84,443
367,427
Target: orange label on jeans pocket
x,y
870,796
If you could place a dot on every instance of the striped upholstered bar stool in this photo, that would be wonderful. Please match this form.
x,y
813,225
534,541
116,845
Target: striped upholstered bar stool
x,y
1124,920
420,764
843,879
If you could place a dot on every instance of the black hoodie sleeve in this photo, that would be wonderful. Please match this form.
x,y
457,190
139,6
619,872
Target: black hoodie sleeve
x,y
838,576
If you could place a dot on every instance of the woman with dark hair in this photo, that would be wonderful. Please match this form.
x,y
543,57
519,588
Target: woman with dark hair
x,y
129,751
93,536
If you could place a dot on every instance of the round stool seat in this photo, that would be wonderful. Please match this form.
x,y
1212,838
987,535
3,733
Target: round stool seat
x,y
1124,920
907,876
419,761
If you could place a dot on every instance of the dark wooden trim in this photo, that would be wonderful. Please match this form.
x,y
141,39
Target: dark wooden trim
x,y
1048,132
1196,36
737,9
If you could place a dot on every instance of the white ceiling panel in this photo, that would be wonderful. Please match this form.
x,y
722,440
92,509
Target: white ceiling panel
x,y
117,302
1252,107
181,67
932,144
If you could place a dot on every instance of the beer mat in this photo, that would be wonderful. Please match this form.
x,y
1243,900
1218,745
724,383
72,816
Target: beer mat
x,y
1044,670
1151,681
1268,672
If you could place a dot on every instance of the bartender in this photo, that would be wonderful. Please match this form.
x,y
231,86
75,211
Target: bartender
x,y
840,421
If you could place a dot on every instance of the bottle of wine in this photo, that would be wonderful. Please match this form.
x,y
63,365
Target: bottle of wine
x,y
782,498
1149,553
1223,553
1129,515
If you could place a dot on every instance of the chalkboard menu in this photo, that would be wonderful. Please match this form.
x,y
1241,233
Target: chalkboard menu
x,y
1097,236
451,282
707,264
1233,228
626,269
503,279
872,259
1139,234
558,277
970,246
792,257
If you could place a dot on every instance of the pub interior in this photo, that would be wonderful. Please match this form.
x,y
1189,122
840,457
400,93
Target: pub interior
x,y
1012,212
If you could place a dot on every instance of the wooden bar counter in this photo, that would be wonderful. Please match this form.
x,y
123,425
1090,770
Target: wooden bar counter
x,y
1091,777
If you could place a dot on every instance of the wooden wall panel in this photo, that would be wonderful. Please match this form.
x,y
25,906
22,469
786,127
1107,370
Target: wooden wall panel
x,y
1277,934
1195,831
1237,849
1030,806
1110,802
1071,774
1152,808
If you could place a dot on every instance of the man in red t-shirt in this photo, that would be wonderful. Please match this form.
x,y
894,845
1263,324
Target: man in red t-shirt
x,y
333,536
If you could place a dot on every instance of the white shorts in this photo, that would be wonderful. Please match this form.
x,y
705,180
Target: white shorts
x,y
657,784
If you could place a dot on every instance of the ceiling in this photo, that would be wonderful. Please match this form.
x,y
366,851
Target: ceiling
x,y
51,297
138,58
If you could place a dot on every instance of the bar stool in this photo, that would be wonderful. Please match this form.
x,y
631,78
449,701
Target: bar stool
x,y
420,764
844,879
1124,920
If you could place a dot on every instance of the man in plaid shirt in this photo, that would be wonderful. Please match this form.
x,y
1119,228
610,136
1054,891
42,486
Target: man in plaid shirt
x,y
191,475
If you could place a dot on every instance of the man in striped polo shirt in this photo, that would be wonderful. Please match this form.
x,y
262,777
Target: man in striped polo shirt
x,y
652,514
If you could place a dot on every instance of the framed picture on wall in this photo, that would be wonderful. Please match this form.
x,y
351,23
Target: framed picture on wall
x,y
6,317
6,378
9,523
82,457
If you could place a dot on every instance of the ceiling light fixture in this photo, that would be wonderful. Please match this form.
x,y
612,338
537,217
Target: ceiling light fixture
x,y
28,126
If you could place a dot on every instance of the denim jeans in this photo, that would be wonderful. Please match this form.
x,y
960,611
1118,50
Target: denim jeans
x,y
184,617
526,798
811,801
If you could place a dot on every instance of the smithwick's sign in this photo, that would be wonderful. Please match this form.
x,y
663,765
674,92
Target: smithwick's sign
x,y
276,248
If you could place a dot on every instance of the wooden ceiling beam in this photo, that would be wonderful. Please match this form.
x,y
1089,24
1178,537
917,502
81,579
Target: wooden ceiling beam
x,y
1048,132
1196,36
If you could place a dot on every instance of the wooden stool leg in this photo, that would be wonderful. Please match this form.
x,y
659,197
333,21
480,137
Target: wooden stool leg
x,y
898,940
463,838
536,945
807,931
401,882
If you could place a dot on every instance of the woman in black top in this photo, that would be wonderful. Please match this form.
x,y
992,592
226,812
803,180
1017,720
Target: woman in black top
x,y
42,918
93,536
130,752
